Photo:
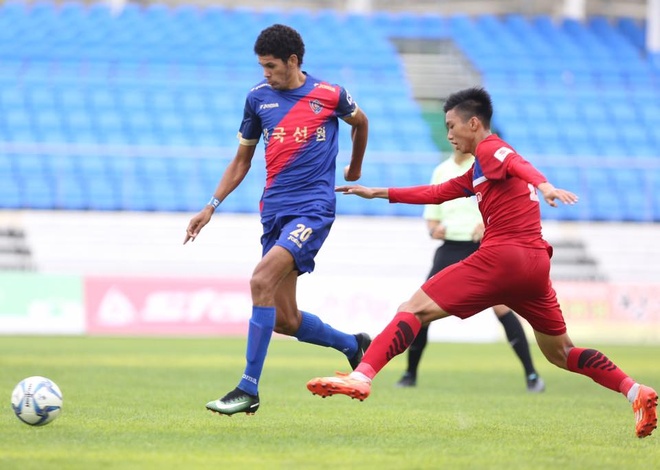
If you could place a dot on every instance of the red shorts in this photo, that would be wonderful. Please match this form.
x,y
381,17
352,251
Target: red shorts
x,y
518,277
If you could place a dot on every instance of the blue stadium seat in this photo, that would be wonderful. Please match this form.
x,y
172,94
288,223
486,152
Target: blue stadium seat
x,y
68,193
61,165
131,100
594,111
605,135
108,121
169,121
199,121
102,194
621,112
72,73
165,197
40,98
92,168
568,178
636,205
407,210
29,165
10,194
627,179
138,121
6,166
656,205
350,205
46,119
605,205
18,120
101,99
633,135
134,195
122,168
78,120
647,149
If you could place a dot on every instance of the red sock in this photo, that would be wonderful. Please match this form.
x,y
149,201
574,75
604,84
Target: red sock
x,y
596,365
392,341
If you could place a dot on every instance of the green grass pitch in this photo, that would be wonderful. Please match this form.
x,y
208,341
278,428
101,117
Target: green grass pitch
x,y
138,403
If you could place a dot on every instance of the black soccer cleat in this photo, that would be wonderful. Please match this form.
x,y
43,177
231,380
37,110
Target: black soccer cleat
x,y
407,380
236,401
363,342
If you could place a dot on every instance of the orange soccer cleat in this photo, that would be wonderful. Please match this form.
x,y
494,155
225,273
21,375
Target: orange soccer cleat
x,y
341,384
646,414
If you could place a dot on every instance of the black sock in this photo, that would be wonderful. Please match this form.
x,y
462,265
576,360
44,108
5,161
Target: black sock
x,y
518,341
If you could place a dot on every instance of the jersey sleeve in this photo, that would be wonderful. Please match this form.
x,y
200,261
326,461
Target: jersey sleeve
x,y
346,107
524,170
461,186
250,130
434,211
498,161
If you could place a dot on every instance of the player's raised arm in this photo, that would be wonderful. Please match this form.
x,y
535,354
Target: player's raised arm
x,y
523,169
550,193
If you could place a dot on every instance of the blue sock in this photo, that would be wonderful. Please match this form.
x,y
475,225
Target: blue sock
x,y
313,330
259,333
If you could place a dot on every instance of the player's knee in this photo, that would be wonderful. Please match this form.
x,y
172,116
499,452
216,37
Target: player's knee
x,y
257,283
262,290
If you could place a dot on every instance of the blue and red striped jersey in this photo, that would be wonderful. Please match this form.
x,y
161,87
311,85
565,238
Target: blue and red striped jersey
x,y
300,134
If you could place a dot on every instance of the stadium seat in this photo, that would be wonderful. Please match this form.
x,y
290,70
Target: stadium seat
x,y
62,165
152,76
134,195
10,195
568,178
636,205
102,194
29,165
68,193
605,205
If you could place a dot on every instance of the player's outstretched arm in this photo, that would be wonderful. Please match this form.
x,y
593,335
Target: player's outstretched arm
x,y
550,194
362,191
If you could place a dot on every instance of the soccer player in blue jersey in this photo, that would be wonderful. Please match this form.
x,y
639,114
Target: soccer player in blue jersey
x,y
298,117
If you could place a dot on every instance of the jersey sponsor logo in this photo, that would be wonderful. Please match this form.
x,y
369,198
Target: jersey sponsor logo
x,y
269,106
259,86
502,153
325,86
316,106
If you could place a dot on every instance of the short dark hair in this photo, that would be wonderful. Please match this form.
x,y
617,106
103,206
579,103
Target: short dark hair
x,y
281,42
471,102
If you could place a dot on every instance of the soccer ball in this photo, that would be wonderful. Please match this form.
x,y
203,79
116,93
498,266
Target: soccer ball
x,y
36,401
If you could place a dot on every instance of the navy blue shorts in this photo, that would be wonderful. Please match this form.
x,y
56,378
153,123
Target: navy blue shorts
x,y
301,235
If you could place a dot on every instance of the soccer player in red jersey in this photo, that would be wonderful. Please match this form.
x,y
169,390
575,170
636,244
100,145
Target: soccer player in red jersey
x,y
511,267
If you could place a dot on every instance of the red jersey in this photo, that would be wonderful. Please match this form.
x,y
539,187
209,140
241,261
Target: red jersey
x,y
505,186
